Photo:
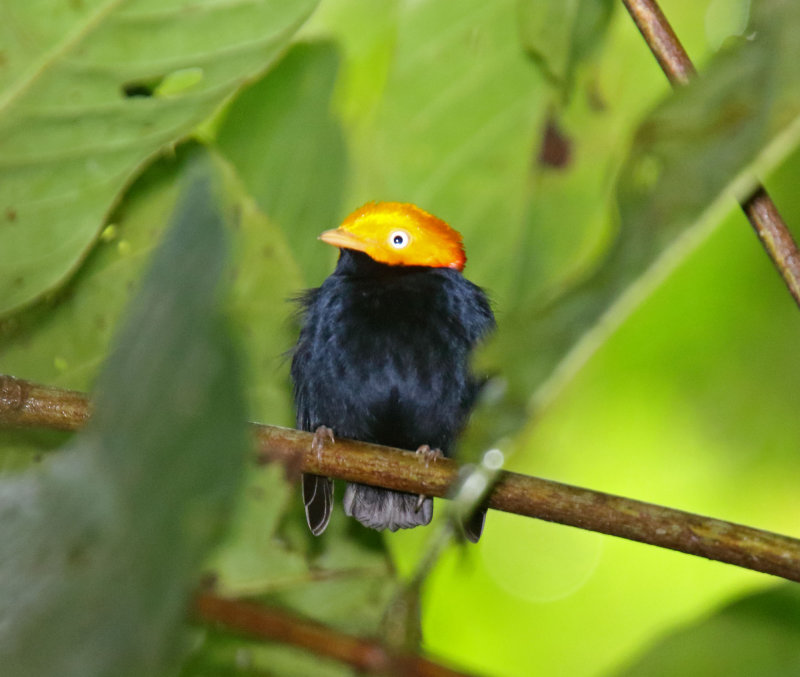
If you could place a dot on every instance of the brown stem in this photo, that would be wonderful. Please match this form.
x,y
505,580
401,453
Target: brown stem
x,y
775,237
27,405
544,499
759,207
39,406
661,39
263,622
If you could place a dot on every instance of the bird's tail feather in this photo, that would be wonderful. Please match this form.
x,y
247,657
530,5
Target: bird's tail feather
x,y
386,509
318,499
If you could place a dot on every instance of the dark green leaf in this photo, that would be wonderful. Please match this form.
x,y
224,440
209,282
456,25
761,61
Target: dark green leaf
x,y
221,655
757,636
102,543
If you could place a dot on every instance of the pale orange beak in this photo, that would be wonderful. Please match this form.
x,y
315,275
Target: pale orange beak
x,y
338,237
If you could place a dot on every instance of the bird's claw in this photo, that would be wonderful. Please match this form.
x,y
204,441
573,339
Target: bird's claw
x,y
322,435
428,455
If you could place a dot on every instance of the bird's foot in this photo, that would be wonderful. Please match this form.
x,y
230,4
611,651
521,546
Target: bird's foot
x,y
428,455
322,435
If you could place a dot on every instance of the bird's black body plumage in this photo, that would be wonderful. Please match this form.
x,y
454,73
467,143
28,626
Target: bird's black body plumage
x,y
383,357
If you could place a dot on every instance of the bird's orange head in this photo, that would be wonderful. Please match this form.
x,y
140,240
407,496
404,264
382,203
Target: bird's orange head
x,y
399,234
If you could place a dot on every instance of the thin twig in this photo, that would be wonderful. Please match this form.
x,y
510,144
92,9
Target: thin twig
x,y
38,406
775,236
759,207
663,42
270,623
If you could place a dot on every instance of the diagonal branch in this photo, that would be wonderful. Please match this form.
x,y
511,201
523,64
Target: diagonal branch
x,y
271,623
759,207
30,405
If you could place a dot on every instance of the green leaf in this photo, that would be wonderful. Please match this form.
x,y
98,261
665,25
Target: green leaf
x,y
454,128
222,655
89,91
63,340
756,635
297,174
688,162
103,541
560,34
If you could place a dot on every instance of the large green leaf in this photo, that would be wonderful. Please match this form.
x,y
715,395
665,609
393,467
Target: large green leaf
x,y
102,542
559,34
456,126
754,636
62,340
89,91
688,162
289,151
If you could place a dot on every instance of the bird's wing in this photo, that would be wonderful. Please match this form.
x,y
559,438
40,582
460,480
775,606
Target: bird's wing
x,y
318,499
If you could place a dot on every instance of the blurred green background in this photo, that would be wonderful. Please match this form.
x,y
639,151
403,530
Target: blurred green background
x,y
646,345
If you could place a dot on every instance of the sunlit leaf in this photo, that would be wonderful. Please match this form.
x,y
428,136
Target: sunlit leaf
x,y
455,128
688,157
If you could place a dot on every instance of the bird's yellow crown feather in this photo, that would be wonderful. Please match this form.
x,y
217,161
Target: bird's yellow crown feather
x,y
399,234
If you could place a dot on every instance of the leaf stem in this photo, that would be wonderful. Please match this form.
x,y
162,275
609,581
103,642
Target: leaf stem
x,y
32,405
759,207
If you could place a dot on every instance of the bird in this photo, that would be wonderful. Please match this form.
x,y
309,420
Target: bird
x,y
383,355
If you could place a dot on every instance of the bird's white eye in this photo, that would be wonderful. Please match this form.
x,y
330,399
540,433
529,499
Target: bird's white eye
x,y
398,239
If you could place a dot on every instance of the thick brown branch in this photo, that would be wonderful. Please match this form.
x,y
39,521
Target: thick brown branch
x,y
28,405
759,207
262,622
544,499
39,406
